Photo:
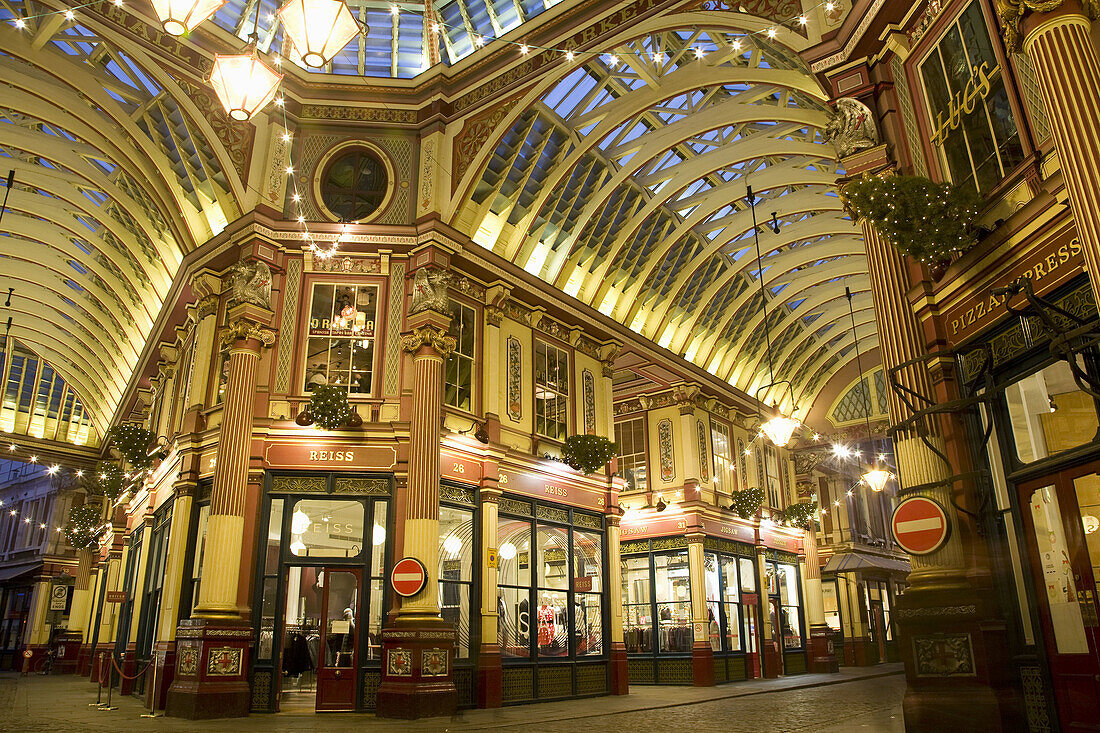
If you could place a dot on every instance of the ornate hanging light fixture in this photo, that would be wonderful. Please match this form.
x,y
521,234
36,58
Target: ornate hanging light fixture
x,y
318,28
183,16
243,83
780,429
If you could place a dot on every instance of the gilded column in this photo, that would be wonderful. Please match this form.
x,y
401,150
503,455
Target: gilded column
x,y
820,652
620,671
78,611
702,655
418,645
1061,51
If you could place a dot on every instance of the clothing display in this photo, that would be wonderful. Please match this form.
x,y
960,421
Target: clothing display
x,y
297,655
546,625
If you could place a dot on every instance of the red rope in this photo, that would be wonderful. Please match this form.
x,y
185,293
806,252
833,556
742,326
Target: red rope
x,y
114,663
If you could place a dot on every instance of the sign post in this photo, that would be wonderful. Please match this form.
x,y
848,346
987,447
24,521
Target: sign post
x,y
920,525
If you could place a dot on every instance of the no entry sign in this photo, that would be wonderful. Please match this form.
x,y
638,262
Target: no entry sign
x,y
920,525
408,577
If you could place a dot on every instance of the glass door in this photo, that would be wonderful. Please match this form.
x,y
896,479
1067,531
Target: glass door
x,y
338,658
1061,515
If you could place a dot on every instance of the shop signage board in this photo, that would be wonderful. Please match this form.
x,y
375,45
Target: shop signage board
x,y
330,456
1047,266
408,577
548,487
459,468
116,596
920,525
654,525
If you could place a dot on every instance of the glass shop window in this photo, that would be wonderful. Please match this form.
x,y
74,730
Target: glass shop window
x,y
723,602
456,562
832,606
200,550
269,567
663,624
972,122
784,579
722,451
458,372
326,528
513,587
587,593
1048,413
341,335
630,437
551,391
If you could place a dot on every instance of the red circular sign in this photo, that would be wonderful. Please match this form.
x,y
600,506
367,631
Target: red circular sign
x,y
408,577
27,654
920,525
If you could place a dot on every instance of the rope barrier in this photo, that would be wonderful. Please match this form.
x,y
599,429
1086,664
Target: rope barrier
x,y
114,663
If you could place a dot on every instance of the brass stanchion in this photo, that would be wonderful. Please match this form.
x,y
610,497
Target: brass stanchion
x,y
153,702
110,683
98,686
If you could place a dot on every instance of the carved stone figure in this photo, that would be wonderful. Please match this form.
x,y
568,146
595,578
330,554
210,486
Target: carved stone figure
x,y
851,127
251,283
430,290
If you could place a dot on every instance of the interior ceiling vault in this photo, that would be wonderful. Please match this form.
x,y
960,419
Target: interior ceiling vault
x,y
117,178
623,182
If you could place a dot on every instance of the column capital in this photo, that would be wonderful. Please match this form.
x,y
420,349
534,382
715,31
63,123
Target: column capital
x,y
428,336
204,307
1022,17
244,329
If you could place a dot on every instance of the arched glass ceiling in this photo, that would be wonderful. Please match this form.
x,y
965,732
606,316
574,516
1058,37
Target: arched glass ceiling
x,y
624,184
36,401
118,175
393,44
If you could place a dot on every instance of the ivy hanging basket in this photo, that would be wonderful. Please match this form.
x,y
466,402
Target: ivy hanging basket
x,y
83,527
747,502
329,408
929,221
588,453
801,515
133,442
105,480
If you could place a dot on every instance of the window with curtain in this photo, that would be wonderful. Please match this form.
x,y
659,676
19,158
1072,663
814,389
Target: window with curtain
x,y
458,372
972,122
340,337
551,391
630,437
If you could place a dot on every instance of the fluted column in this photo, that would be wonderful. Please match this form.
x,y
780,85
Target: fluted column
x,y
225,527
78,611
430,345
822,657
702,655
178,534
490,673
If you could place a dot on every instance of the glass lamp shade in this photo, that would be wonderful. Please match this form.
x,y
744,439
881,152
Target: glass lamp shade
x,y
244,84
183,16
876,478
780,429
318,28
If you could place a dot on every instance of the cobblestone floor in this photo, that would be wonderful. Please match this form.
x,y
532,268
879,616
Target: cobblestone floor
x,y
854,701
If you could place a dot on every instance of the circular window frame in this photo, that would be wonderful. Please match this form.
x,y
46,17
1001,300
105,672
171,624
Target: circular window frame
x,y
340,149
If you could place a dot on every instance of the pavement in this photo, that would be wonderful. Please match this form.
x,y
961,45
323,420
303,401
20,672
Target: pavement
x,y
854,700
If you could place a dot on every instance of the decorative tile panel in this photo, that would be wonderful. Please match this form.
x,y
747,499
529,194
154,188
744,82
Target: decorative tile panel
x,y
299,484
261,690
518,684
552,515
457,494
555,681
187,660
288,326
368,486
515,378
394,312
944,655
399,662
589,396
224,662
587,520
704,457
664,446
591,679
514,506
434,662
372,680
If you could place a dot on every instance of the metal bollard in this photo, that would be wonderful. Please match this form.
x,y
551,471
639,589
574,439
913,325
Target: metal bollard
x,y
153,706
98,686
110,684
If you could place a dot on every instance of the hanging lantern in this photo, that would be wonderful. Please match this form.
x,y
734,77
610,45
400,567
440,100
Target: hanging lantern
x,y
877,478
318,28
243,83
183,16
780,429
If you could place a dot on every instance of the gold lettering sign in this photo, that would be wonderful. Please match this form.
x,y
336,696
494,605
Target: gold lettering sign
x,y
347,456
964,102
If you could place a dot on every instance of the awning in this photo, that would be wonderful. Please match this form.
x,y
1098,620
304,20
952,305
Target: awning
x,y
847,562
19,572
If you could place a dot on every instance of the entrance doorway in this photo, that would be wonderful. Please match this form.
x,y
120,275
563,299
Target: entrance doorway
x,y
1061,516
752,644
320,638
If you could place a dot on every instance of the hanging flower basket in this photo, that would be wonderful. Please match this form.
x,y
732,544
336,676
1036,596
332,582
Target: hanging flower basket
x,y
747,502
83,527
329,408
929,221
801,515
132,441
588,453
105,480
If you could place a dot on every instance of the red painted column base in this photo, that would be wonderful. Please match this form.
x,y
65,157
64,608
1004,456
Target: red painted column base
x,y
773,662
702,664
211,675
101,662
417,672
620,669
822,653
490,677
68,653
84,660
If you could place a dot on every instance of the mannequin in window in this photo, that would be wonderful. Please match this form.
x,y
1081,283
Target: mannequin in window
x,y
546,621
715,640
347,644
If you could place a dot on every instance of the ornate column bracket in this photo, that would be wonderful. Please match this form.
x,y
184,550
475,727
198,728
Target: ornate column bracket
x,y
246,330
431,337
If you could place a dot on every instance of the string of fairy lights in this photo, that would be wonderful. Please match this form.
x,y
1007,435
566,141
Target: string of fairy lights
x,y
243,101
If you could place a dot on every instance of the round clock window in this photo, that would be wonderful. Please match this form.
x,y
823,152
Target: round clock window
x,y
354,184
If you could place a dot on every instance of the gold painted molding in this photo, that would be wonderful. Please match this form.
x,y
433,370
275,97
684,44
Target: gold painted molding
x,y
432,336
1012,13
245,329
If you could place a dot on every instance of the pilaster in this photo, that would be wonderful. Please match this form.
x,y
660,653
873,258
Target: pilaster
x,y
702,656
620,671
490,671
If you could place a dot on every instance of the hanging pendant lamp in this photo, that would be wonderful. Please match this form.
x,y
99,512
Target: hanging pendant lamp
x,y
243,83
319,29
780,429
877,478
183,16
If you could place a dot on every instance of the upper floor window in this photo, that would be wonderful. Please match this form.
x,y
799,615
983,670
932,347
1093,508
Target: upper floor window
x,y
722,450
551,391
630,435
773,477
340,341
459,370
972,122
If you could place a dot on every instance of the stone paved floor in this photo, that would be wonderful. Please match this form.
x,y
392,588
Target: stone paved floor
x,y
854,701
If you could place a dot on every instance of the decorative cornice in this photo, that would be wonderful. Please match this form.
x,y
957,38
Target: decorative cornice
x,y
431,336
207,306
244,330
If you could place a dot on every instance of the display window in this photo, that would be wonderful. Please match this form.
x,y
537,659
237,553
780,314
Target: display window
x,y
154,579
657,603
1048,413
832,605
549,589
786,608
456,562
722,457
340,337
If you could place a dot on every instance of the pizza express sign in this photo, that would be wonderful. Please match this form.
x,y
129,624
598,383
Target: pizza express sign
x,y
1047,268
